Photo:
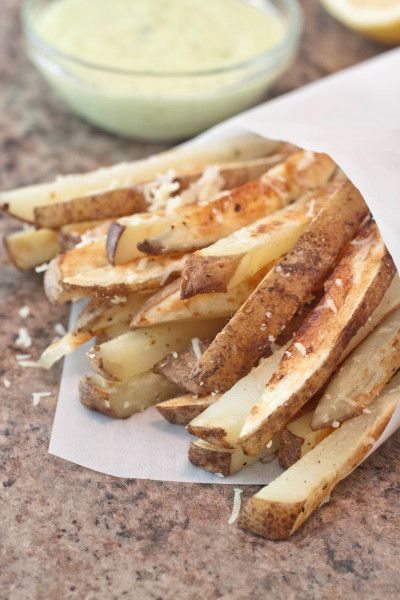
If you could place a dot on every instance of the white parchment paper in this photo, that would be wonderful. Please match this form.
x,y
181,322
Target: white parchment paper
x,y
354,116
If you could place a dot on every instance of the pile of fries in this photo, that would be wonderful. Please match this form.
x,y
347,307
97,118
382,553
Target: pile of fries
x,y
243,289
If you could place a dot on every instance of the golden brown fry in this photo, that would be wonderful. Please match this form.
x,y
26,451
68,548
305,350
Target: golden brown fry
x,y
281,507
353,291
301,273
205,224
298,438
183,409
30,248
121,400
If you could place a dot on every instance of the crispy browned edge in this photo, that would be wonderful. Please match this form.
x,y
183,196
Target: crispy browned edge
x,y
93,396
252,443
178,368
211,459
277,521
181,410
198,274
105,205
291,445
245,339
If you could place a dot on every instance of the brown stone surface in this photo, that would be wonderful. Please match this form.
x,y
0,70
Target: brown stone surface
x,y
66,532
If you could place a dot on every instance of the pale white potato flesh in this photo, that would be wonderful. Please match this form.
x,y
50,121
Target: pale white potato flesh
x,y
279,509
60,348
221,423
362,376
139,350
100,314
121,400
353,291
139,275
167,305
225,461
30,248
204,224
21,202
75,233
255,246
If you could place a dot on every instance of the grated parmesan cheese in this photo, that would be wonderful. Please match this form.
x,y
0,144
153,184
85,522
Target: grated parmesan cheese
x,y
107,403
366,410
219,475
288,353
37,396
23,340
126,404
335,424
22,356
268,314
24,312
331,305
6,382
60,329
300,348
42,268
237,501
269,444
118,299
158,192
338,282
196,347
271,338
175,354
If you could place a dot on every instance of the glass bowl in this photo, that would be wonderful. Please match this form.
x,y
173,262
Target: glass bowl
x,y
170,106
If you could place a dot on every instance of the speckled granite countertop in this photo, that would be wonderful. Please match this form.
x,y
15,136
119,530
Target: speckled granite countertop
x,y
66,532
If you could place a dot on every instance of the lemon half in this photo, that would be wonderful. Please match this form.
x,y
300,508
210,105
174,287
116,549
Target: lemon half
x,y
378,19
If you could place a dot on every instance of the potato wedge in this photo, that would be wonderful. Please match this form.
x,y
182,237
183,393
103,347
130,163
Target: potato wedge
x,y
78,260
237,257
167,305
353,291
177,366
126,233
183,409
224,461
30,248
103,313
221,423
300,274
75,233
205,224
139,275
278,509
297,438
122,400
60,348
20,203
139,350
362,376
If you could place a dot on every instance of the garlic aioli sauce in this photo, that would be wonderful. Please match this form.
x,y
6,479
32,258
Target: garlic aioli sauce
x,y
146,38
160,35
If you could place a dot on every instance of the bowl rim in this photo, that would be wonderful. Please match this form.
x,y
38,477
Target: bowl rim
x,y
272,55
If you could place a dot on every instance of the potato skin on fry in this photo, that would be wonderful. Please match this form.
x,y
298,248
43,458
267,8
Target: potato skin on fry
x,y
198,274
323,337
181,410
266,313
178,368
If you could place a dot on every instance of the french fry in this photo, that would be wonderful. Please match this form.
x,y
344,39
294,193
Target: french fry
x,y
280,508
74,233
60,348
20,203
300,274
103,313
237,257
183,409
126,233
205,224
353,291
224,461
362,376
167,305
121,400
76,261
221,423
30,248
139,275
139,350
297,438
177,366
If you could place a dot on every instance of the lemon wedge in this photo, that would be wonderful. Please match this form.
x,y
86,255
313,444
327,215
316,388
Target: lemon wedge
x,y
378,19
